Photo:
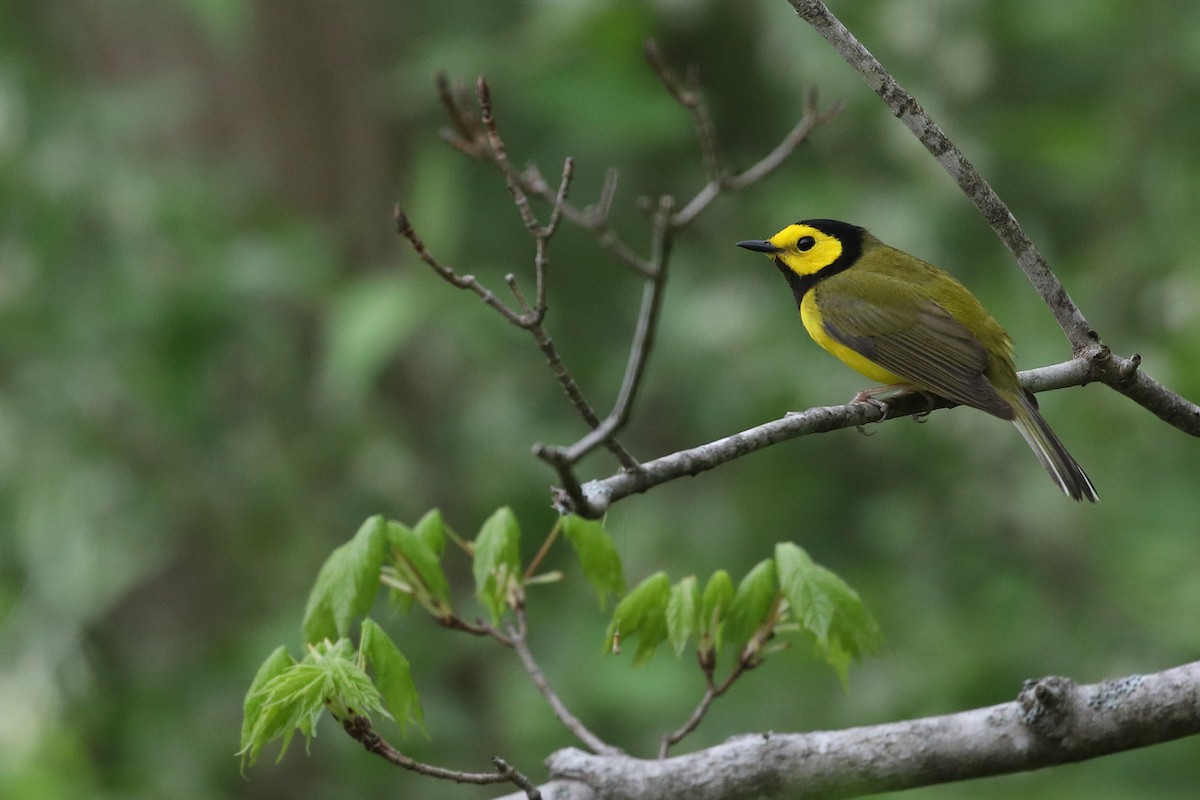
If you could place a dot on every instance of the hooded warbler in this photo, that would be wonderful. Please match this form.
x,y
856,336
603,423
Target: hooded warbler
x,y
904,322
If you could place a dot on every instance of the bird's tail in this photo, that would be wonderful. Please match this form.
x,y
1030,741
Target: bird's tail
x,y
1069,476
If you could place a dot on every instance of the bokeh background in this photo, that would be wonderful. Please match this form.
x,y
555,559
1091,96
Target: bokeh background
x,y
216,359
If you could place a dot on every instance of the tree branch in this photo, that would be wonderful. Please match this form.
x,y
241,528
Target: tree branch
x,y
568,719
1053,721
359,728
599,494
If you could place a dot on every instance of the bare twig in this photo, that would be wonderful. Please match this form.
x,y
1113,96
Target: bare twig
x,y
479,137
639,351
476,628
466,135
532,316
712,691
813,116
688,94
570,721
522,782
405,229
360,729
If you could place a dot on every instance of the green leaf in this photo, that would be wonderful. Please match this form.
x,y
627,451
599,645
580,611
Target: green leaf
x,y
828,608
252,706
417,565
718,594
597,557
683,608
393,676
432,531
642,614
497,560
346,585
752,603
295,695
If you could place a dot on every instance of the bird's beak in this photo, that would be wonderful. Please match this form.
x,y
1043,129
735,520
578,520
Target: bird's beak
x,y
761,246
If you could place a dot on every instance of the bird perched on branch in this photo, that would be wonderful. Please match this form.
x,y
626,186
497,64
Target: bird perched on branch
x,y
907,324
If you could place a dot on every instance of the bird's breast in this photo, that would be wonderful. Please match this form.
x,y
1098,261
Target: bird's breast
x,y
810,315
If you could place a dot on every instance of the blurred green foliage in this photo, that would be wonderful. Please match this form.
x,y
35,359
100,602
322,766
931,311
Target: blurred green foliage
x,y
216,359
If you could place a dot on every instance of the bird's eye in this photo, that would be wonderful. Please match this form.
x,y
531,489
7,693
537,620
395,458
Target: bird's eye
x,y
805,243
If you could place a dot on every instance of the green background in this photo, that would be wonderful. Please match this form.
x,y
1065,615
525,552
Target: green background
x,y
217,359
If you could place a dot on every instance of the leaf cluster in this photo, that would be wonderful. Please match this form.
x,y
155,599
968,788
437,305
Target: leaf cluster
x,y
353,680
782,596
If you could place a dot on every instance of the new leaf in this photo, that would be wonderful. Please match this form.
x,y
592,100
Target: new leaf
x,y
597,556
393,676
346,585
497,560
643,614
827,607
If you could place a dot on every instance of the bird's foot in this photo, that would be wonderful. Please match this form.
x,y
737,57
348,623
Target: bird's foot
x,y
930,400
870,397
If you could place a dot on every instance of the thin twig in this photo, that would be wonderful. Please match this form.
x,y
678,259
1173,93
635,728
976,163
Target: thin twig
x,y
813,116
512,178
465,135
360,729
522,782
639,351
476,628
536,561
570,721
689,95
712,691
405,229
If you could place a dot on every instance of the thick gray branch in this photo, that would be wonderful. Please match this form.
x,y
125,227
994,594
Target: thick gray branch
x,y
1053,721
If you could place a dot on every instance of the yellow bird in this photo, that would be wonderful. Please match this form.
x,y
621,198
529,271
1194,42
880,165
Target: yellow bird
x,y
904,322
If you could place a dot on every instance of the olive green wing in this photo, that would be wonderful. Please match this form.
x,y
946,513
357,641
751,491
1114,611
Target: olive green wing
x,y
896,327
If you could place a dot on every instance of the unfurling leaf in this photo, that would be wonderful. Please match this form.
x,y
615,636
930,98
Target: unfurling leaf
x,y
417,565
683,607
295,695
597,556
257,731
642,614
346,585
497,560
714,606
431,530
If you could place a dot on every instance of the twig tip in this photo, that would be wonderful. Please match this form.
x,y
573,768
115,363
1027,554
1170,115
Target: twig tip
x,y
484,93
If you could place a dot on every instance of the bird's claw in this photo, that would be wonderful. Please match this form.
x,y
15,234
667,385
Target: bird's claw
x,y
866,396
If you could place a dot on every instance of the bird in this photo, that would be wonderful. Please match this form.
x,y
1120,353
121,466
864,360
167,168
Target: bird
x,y
908,324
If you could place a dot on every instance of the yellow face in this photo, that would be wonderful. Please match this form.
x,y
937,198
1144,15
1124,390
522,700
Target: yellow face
x,y
804,249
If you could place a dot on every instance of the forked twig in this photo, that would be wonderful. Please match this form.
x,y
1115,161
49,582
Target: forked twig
x,y
712,691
